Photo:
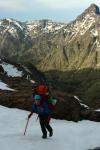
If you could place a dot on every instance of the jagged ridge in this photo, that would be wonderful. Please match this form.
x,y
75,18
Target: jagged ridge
x,y
60,44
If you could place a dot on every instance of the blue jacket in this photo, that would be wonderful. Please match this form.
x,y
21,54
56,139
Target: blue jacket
x,y
41,110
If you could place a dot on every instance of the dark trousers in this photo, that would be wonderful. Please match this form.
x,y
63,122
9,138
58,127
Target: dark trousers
x,y
44,123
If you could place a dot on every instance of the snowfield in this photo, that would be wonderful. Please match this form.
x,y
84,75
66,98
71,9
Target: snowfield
x,y
68,135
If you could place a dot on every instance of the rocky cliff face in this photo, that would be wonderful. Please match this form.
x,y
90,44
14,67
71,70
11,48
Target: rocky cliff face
x,y
76,45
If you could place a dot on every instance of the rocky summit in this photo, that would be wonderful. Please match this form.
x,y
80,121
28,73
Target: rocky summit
x,y
67,54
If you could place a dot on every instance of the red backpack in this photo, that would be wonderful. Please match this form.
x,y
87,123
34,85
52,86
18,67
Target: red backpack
x,y
42,89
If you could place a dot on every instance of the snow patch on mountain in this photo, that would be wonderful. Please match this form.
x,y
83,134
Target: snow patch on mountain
x,y
14,22
11,26
79,26
94,32
80,101
11,70
13,32
4,86
44,25
18,25
97,110
83,25
31,25
51,27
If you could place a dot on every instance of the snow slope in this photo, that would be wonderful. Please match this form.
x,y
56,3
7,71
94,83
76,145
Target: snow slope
x,y
67,135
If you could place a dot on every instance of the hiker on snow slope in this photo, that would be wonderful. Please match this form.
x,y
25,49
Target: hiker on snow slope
x,y
43,108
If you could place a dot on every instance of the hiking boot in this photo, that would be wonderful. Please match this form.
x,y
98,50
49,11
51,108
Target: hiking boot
x,y
51,133
44,136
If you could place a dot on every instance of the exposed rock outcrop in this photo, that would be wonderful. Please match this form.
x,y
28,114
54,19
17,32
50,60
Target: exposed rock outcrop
x,y
67,108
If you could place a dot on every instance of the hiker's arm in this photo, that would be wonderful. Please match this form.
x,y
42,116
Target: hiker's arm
x,y
32,111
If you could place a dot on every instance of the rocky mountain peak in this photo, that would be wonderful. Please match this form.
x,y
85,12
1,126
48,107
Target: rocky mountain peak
x,y
91,11
93,8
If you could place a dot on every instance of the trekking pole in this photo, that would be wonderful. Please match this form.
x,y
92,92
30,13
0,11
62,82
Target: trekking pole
x,y
26,126
37,118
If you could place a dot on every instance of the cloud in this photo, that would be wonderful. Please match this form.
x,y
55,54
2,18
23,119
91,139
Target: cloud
x,y
31,5
66,4
12,5
58,4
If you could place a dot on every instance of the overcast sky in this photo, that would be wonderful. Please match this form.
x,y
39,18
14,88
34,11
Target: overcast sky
x,y
56,10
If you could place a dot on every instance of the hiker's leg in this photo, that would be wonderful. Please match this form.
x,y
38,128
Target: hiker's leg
x,y
43,127
49,128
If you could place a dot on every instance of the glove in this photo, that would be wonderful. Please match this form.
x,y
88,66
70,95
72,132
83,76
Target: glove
x,y
29,116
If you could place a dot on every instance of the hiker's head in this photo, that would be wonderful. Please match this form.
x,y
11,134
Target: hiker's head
x,y
37,99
